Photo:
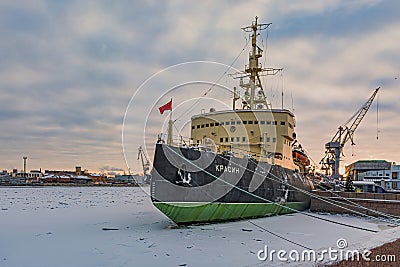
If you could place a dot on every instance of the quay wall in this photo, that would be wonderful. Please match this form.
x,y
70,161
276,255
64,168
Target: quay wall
x,y
384,203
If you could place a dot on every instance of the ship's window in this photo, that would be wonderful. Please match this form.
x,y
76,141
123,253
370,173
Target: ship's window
x,y
268,122
198,126
226,139
275,123
222,123
290,126
250,122
217,124
227,123
193,127
212,124
239,122
274,140
232,139
221,140
207,125
262,122
237,139
268,139
255,122
244,122
261,139
202,126
283,123
233,122
243,139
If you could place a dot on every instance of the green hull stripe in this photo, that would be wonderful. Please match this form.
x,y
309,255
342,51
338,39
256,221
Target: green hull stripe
x,y
184,213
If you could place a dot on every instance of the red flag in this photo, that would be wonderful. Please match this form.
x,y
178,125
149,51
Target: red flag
x,y
167,106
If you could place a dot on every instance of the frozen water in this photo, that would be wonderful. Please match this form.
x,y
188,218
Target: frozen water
x,y
118,226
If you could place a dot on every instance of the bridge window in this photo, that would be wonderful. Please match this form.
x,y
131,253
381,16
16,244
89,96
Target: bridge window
x,y
193,127
239,122
202,126
255,122
226,139
227,123
212,124
250,122
243,139
221,140
207,125
198,126
244,122
283,123
262,122
237,139
268,122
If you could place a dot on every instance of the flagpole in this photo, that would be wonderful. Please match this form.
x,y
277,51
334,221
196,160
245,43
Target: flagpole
x,y
169,139
170,114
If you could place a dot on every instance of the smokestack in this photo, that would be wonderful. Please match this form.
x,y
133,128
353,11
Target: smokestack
x,y
25,158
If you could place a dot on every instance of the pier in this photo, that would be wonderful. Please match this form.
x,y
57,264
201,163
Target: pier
x,y
382,203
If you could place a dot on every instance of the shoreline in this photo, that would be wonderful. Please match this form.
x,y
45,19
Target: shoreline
x,y
68,185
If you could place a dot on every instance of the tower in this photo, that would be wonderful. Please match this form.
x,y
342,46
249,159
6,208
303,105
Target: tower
x,y
25,158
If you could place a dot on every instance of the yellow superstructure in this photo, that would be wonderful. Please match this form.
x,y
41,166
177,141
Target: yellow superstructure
x,y
266,135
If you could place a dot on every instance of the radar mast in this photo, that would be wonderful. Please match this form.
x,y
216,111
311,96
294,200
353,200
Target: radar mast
x,y
254,95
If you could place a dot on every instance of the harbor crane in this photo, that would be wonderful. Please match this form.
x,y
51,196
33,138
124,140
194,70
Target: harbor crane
x,y
334,148
145,164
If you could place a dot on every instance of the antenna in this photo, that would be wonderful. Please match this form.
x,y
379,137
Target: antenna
x,y
377,118
291,96
282,87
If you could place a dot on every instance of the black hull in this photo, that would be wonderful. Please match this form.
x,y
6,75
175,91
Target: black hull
x,y
187,178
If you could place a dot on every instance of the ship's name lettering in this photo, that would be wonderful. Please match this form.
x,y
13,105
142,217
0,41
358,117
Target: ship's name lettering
x,y
222,168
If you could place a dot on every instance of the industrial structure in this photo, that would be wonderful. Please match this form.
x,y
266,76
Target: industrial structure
x,y
145,164
334,149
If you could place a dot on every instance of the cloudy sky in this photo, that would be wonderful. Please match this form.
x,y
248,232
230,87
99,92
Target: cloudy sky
x,y
69,69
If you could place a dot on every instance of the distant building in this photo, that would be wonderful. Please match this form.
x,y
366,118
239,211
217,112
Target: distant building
x,y
361,166
31,176
130,179
6,178
97,178
381,172
77,176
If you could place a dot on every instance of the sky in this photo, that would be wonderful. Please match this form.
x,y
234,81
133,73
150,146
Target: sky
x,y
71,71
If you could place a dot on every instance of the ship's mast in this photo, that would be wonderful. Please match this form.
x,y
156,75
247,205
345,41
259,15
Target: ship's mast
x,y
254,97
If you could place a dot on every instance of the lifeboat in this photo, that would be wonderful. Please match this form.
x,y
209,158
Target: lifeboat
x,y
300,156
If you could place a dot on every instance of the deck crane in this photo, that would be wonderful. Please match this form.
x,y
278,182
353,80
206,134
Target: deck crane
x,y
145,164
334,148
